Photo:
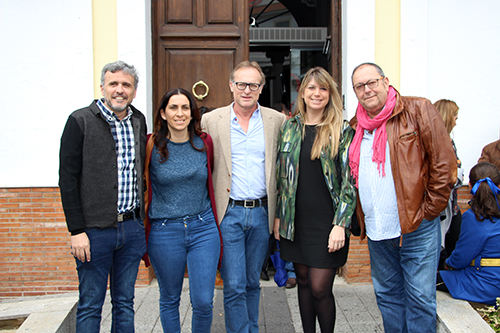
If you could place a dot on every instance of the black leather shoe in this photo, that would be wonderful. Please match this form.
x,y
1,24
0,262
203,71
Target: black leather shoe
x,y
264,276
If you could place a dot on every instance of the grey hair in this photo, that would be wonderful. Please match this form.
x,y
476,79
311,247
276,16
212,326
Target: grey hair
x,y
119,65
377,67
249,64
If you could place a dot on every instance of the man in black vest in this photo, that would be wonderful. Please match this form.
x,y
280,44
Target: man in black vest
x,y
100,178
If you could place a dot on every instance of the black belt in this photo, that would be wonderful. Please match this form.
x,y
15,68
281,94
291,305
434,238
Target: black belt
x,y
249,203
129,215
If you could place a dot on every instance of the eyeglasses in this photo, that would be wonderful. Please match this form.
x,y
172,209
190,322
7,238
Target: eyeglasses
x,y
371,84
244,85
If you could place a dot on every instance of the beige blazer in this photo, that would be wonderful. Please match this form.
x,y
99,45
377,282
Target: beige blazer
x,y
217,124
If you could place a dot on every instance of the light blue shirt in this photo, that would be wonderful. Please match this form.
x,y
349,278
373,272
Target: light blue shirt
x,y
377,194
248,152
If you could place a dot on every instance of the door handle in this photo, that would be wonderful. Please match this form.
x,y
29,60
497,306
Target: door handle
x,y
200,83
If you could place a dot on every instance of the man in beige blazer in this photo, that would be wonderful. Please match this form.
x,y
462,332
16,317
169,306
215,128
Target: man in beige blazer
x,y
245,137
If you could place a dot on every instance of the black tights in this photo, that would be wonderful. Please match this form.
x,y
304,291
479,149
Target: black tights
x,y
316,297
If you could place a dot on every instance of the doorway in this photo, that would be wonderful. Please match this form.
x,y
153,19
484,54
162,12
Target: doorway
x,y
287,38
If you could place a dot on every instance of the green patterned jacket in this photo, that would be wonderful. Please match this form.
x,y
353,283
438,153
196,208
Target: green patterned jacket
x,y
336,171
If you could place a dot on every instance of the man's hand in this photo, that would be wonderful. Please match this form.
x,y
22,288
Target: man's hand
x,y
276,228
80,247
336,240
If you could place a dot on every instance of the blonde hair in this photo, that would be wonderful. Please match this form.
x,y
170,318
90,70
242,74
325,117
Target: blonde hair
x,y
329,130
448,110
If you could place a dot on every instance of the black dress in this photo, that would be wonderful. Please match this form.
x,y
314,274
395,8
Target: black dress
x,y
314,214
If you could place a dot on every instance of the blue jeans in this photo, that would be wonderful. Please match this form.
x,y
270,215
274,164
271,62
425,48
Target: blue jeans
x,y
245,234
117,253
173,243
404,278
290,270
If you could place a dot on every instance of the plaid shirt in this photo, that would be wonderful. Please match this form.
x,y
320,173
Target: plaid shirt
x,y
123,133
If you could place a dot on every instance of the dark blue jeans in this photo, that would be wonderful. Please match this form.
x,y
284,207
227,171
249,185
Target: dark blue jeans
x,y
404,278
173,243
115,253
245,233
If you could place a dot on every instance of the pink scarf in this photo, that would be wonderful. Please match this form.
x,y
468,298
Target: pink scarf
x,y
379,142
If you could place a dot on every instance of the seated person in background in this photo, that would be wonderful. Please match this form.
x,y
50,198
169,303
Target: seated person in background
x,y
473,269
491,154
291,281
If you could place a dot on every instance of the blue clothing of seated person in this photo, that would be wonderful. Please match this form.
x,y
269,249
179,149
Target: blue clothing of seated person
x,y
474,265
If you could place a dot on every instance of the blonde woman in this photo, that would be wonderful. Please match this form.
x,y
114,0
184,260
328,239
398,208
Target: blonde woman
x,y
451,218
315,204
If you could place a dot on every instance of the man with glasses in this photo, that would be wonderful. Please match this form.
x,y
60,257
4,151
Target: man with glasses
x,y
404,166
245,137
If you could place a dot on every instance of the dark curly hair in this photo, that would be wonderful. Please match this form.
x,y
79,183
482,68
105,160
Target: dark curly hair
x,y
484,202
161,127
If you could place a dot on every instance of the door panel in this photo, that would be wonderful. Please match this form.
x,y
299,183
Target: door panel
x,y
197,40
219,14
179,11
216,61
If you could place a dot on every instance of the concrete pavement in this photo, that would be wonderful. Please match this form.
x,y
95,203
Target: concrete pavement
x,y
279,312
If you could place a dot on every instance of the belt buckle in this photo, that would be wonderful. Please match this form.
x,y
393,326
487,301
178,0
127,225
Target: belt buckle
x,y
120,217
248,206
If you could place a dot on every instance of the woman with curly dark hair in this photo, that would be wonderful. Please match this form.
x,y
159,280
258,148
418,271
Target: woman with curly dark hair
x,y
181,218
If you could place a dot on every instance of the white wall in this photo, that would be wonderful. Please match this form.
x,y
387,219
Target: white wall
x,y
47,62
47,72
464,66
449,49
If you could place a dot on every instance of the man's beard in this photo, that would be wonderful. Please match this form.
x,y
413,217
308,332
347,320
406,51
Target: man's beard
x,y
116,108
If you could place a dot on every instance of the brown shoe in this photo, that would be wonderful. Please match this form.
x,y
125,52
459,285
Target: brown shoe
x,y
219,284
291,283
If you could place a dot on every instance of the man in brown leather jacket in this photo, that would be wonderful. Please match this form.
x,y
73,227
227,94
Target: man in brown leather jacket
x,y
405,167
491,153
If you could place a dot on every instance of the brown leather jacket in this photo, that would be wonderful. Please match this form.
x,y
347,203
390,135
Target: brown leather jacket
x,y
491,154
424,165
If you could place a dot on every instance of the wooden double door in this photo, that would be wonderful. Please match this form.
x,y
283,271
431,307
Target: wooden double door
x,y
198,40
